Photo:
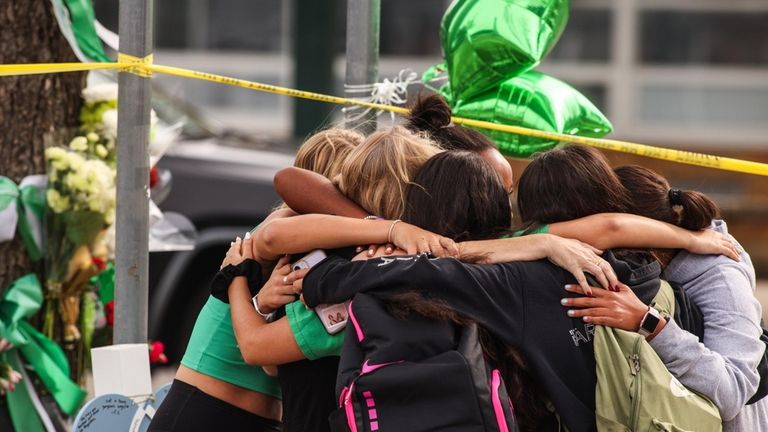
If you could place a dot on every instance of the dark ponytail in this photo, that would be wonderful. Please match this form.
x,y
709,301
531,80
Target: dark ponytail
x,y
431,114
698,210
653,198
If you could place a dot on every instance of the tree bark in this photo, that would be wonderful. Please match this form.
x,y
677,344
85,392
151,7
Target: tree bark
x,y
35,110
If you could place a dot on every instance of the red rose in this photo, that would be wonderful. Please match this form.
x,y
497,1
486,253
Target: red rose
x,y
157,353
99,263
153,177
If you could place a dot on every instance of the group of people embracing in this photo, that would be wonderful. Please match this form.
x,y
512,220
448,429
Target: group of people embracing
x,y
432,204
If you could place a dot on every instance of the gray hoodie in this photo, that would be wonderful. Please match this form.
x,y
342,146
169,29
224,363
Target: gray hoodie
x,y
723,368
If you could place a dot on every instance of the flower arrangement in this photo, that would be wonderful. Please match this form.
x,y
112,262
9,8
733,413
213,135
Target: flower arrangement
x,y
81,203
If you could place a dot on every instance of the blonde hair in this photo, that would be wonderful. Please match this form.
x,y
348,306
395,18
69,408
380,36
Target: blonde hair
x,y
325,151
377,172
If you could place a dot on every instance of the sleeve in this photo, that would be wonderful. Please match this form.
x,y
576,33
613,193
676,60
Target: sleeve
x,y
724,367
310,334
490,294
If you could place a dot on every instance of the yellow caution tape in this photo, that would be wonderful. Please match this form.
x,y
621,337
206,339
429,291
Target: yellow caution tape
x,y
138,65
44,68
144,67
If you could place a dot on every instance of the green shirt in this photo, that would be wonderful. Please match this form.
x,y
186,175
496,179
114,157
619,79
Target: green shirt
x,y
212,350
313,340
542,229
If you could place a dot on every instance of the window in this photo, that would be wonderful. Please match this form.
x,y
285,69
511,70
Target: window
x,y
713,38
586,37
704,106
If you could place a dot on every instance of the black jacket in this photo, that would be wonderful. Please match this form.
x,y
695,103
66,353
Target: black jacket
x,y
517,302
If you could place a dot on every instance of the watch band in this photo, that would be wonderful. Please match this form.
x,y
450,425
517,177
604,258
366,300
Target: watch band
x,y
649,322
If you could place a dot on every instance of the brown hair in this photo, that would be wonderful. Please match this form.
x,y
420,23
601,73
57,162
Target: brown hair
x,y
652,197
432,114
568,183
377,172
457,194
325,151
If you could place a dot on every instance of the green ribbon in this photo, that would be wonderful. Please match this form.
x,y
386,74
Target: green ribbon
x,y
82,17
106,283
20,301
22,208
20,406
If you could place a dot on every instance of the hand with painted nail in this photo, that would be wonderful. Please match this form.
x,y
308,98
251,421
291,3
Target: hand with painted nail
x,y
239,250
277,291
620,309
414,240
378,251
580,258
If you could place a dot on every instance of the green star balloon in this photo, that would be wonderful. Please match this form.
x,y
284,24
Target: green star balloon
x,y
487,41
536,101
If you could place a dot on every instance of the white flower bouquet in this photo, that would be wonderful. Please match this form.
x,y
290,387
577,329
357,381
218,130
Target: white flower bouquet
x,y
81,205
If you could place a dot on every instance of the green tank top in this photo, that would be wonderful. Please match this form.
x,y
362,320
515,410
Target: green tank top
x,y
212,350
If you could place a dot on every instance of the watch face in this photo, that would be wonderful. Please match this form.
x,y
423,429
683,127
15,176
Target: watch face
x,y
649,322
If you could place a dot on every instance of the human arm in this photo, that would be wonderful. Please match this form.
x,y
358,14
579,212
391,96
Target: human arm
x,y
572,255
723,368
621,309
492,295
260,343
315,231
612,230
309,192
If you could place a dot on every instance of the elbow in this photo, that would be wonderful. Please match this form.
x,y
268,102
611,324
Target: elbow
x,y
249,358
730,410
252,353
282,179
612,224
743,389
268,239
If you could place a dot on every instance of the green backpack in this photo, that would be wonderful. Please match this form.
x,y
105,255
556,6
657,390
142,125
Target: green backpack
x,y
635,391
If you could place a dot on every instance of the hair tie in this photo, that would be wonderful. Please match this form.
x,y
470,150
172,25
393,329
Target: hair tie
x,y
675,197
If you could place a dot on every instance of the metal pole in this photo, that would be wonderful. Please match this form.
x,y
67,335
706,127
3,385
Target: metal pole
x,y
362,55
132,249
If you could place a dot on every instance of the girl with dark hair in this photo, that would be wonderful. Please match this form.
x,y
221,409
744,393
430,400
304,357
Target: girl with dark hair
x,y
723,367
431,114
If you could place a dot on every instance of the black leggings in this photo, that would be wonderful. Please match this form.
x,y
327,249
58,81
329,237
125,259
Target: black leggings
x,y
187,409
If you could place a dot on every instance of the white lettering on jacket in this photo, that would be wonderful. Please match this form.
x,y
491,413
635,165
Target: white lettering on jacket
x,y
585,337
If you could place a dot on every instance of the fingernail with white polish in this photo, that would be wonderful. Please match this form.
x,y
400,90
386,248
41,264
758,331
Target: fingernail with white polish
x,y
564,301
570,313
247,235
568,286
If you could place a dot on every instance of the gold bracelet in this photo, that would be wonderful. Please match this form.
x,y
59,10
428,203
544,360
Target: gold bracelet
x,y
391,228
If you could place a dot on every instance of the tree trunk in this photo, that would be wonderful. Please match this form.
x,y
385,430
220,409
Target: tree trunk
x,y
35,109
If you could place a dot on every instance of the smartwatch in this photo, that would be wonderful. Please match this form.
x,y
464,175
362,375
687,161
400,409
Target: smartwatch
x,y
649,322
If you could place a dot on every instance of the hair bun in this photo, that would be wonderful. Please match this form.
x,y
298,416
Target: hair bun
x,y
430,113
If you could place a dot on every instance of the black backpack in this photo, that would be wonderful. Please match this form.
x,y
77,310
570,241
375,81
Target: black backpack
x,y
416,375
